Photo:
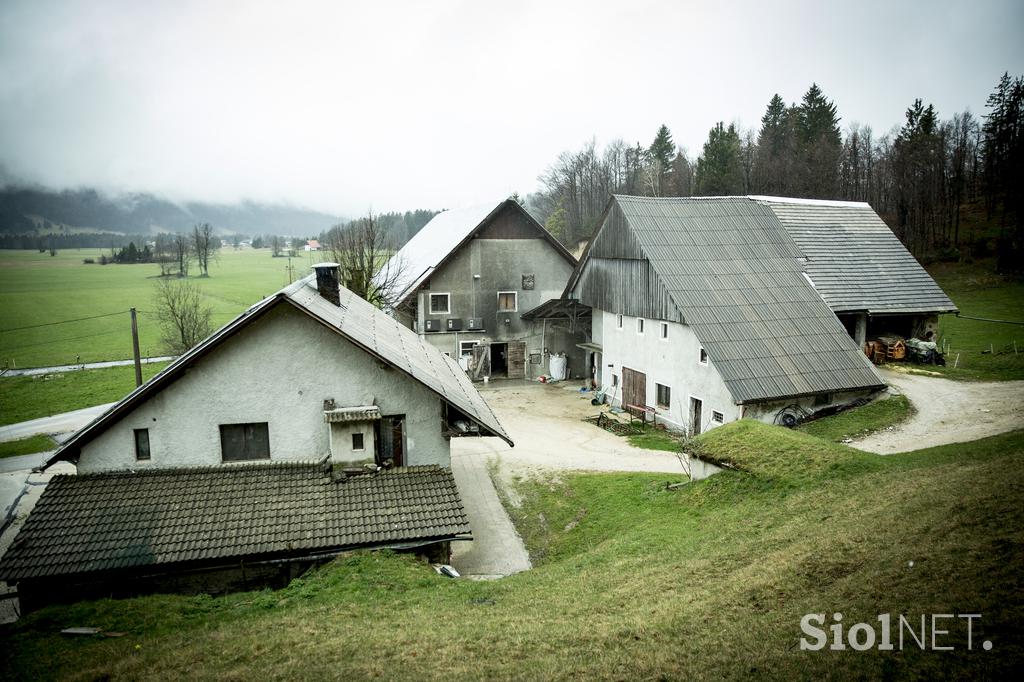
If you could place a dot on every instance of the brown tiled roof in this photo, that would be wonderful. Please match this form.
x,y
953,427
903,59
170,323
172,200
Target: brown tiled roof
x,y
215,515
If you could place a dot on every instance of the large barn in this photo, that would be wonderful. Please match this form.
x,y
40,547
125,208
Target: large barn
x,y
708,310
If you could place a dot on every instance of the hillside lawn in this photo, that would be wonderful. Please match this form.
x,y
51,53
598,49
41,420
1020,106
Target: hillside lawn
x,y
631,581
987,349
31,397
36,288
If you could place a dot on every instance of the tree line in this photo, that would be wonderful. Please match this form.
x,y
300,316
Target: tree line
x,y
920,176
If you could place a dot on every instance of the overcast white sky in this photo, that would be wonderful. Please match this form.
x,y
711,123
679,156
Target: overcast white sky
x,y
345,106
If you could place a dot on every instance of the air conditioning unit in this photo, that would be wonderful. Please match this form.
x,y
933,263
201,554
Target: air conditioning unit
x,y
432,325
454,324
476,324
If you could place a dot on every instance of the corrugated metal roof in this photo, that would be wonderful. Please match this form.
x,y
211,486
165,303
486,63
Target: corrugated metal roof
x,y
355,319
213,515
734,272
362,413
432,244
855,260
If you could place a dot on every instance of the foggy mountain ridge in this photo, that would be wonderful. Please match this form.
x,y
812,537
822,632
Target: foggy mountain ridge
x,y
28,209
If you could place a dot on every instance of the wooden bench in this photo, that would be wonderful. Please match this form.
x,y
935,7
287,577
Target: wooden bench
x,y
640,412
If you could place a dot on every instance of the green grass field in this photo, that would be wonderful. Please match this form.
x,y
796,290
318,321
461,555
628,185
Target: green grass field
x,y
26,446
24,398
37,289
986,349
860,421
632,581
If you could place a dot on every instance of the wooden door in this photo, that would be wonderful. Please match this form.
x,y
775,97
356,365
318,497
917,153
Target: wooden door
x,y
634,387
516,359
696,408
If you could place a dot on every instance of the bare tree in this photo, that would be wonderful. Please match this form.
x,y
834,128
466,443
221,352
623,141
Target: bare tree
x,y
184,318
163,253
204,247
276,244
182,253
367,260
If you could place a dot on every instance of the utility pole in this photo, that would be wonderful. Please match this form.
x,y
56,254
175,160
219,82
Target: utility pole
x,y
135,350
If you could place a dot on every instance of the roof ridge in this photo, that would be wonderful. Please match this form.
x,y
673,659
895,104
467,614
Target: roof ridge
x,y
205,468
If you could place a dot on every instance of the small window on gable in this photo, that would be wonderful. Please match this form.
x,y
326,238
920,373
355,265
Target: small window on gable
x,y
357,441
440,304
664,330
618,321
639,325
717,417
703,357
663,396
508,301
141,444
244,442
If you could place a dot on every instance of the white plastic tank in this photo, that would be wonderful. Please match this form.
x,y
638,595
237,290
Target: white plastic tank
x,y
556,366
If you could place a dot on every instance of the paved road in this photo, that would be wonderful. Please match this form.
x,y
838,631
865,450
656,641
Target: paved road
x,y
36,371
58,423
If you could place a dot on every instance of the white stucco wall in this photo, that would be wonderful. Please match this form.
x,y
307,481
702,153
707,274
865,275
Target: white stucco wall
x,y
673,362
278,370
340,442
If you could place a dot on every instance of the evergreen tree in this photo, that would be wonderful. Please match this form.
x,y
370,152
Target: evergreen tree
x,y
773,158
821,143
663,149
720,166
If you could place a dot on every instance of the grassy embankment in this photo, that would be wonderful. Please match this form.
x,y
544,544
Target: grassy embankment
x,y
631,581
989,351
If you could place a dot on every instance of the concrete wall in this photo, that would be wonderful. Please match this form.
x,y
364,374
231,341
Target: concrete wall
x,y
768,411
673,362
340,442
501,265
278,370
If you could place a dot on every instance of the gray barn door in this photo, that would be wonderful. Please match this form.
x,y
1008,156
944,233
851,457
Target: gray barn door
x,y
634,387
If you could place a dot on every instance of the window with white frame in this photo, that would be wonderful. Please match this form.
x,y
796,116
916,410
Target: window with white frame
x,y
466,347
664,330
357,441
663,396
618,321
703,357
639,325
440,304
508,301
717,417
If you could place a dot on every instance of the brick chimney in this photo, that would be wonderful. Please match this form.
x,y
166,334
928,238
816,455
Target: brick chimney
x,y
327,282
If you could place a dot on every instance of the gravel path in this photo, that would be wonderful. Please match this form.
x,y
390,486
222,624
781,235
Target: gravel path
x,y
948,412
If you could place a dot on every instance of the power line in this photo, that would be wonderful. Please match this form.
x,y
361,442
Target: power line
x,y
74,338
50,324
987,319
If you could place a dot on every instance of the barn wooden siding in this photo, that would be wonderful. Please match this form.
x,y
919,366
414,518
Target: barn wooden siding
x,y
617,276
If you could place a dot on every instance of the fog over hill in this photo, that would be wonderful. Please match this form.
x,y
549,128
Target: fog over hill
x,y
34,209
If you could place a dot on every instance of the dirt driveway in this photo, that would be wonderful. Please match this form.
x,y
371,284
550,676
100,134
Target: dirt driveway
x,y
545,423
948,412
